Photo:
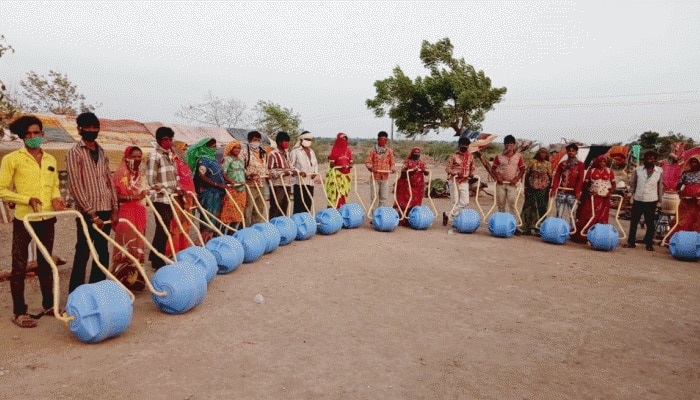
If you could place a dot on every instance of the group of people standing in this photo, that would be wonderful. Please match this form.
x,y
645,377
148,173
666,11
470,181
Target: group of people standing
x,y
233,191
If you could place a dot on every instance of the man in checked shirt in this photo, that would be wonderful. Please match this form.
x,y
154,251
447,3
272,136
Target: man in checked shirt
x,y
90,184
161,173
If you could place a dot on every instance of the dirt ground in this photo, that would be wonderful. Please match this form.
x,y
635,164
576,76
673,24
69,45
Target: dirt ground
x,y
408,314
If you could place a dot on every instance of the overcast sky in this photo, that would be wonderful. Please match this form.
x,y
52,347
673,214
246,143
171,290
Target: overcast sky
x,y
594,71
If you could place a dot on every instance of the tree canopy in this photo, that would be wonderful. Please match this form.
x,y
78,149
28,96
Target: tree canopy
x,y
7,110
55,94
273,118
454,95
216,111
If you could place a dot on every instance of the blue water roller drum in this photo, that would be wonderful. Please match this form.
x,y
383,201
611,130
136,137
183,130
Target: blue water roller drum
x,y
385,219
181,285
502,224
228,252
329,221
100,310
467,221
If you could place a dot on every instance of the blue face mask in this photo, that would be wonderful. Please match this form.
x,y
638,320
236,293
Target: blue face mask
x,y
33,143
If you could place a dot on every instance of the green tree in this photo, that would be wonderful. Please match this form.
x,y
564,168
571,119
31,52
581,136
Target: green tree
x,y
273,118
216,111
55,94
648,139
664,143
7,109
454,94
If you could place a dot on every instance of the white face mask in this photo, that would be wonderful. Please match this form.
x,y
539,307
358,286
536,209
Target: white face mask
x,y
254,145
306,143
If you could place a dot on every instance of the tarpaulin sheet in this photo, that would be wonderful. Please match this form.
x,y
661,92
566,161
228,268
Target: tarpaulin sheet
x,y
193,134
122,132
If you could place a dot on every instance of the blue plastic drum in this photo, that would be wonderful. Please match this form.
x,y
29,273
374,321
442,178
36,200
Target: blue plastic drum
x,y
385,219
271,234
101,310
202,258
685,246
306,225
467,221
555,230
421,217
287,229
228,252
254,243
603,237
329,221
502,224
183,284
353,215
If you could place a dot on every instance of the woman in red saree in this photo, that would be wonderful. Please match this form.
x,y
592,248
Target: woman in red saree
x,y
338,179
186,184
131,190
689,191
413,169
598,183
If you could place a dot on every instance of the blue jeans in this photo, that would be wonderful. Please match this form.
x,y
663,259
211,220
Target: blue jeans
x,y
564,201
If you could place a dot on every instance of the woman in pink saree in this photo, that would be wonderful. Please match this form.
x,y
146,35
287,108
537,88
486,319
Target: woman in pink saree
x,y
131,190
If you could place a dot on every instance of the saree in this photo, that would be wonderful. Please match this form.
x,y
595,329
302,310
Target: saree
x,y
595,200
129,183
538,180
410,187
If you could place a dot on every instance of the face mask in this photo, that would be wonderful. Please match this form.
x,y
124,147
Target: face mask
x,y
463,149
166,144
306,143
382,142
415,156
254,145
133,164
285,145
648,164
34,142
89,136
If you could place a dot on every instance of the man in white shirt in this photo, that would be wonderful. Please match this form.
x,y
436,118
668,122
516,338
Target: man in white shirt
x,y
647,190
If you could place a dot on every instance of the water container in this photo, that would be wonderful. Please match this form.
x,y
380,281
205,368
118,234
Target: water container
x,y
502,224
385,219
555,230
467,221
101,310
603,237
202,258
228,252
329,221
287,229
271,234
353,215
421,217
183,284
685,245
253,241
306,225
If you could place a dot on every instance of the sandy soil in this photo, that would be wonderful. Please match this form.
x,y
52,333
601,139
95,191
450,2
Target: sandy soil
x,y
410,314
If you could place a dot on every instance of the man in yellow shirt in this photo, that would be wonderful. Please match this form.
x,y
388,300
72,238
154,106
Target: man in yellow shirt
x,y
33,176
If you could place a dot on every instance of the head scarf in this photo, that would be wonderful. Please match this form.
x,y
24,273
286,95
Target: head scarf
x,y
339,147
413,150
686,166
179,148
545,151
229,149
307,135
199,150
600,158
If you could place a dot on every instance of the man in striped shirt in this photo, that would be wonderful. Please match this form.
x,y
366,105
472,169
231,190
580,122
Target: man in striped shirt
x,y
280,176
90,184
162,179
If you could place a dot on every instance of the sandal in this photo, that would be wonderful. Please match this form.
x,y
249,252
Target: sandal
x,y
24,321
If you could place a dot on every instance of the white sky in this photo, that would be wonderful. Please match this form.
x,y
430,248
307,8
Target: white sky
x,y
594,71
